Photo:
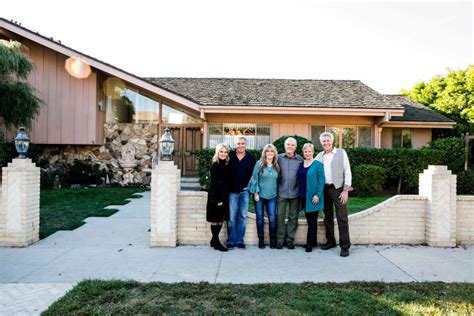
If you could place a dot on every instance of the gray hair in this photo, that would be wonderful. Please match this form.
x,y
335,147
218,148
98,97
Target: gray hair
x,y
308,145
291,140
326,135
240,138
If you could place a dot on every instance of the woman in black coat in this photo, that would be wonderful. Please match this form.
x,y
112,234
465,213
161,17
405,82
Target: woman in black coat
x,y
218,194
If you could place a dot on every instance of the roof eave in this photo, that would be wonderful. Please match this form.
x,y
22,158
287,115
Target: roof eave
x,y
417,124
141,83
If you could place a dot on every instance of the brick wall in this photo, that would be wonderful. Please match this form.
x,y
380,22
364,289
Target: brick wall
x,y
465,220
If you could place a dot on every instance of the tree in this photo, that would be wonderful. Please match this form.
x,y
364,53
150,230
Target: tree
x,y
451,95
18,101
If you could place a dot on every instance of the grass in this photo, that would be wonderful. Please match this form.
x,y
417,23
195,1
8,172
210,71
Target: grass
x,y
356,204
92,297
66,209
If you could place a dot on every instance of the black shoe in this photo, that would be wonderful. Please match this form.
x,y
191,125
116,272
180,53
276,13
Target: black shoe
x,y
220,247
241,246
308,249
213,243
279,246
261,244
290,245
272,242
328,246
344,253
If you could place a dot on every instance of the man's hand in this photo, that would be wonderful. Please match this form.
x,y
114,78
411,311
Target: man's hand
x,y
256,197
343,197
315,199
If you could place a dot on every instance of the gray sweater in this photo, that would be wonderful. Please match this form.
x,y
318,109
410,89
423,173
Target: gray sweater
x,y
288,186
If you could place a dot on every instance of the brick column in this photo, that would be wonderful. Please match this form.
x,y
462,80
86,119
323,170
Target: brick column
x,y
165,183
439,186
19,207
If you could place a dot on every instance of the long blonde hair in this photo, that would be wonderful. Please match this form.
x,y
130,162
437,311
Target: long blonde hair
x,y
263,158
215,158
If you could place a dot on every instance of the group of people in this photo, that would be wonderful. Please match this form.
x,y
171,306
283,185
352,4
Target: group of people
x,y
282,185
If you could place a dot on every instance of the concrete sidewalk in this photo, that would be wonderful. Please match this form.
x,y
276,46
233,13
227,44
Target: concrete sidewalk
x,y
117,247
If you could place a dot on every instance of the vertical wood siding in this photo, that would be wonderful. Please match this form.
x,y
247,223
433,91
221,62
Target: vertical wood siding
x,y
69,115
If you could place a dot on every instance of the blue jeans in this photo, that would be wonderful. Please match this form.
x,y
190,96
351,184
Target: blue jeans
x,y
238,205
270,206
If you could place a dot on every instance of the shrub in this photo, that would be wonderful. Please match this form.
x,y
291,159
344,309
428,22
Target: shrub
x,y
453,152
84,172
465,182
280,143
368,180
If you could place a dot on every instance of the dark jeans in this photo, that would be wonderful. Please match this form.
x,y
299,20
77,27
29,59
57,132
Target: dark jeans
x,y
331,197
270,206
312,235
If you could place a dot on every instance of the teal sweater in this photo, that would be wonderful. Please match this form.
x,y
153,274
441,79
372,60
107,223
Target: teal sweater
x,y
315,186
264,182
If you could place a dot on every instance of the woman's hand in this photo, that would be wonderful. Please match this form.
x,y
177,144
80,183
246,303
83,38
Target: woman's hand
x,y
220,203
315,199
256,197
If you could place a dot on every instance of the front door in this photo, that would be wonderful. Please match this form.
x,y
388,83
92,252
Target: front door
x,y
188,140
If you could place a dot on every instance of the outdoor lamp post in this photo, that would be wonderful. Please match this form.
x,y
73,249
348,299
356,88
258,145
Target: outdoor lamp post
x,y
22,142
166,145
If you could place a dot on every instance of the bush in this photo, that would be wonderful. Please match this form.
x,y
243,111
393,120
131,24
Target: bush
x,y
280,143
368,180
204,158
453,152
83,172
465,182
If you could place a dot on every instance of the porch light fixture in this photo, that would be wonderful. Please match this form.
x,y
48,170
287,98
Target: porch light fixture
x,y
77,67
22,142
166,145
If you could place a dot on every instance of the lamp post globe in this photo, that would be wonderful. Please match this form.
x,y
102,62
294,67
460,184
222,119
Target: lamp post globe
x,y
166,145
22,142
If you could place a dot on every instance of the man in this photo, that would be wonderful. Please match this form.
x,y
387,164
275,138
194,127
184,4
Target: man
x,y
337,171
288,192
241,167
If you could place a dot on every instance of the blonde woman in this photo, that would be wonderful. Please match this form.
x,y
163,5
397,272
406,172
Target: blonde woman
x,y
218,194
311,189
264,187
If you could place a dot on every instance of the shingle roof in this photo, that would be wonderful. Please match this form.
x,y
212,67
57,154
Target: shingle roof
x,y
414,111
277,92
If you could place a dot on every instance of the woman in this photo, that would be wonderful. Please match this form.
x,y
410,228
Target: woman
x,y
218,194
311,187
263,185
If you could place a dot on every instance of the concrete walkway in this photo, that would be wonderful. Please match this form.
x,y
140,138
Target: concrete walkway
x,y
117,247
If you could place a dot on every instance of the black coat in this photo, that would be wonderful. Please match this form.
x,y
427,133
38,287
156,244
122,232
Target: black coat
x,y
218,192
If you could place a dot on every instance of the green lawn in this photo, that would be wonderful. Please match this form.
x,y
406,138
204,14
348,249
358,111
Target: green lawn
x,y
93,297
356,204
65,209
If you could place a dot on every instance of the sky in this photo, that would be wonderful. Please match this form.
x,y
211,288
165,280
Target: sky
x,y
387,45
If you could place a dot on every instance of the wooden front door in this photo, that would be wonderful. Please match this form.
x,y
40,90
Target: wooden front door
x,y
188,140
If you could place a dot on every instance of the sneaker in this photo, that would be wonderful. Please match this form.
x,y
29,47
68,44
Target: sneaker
x,y
344,253
328,246
241,246
279,246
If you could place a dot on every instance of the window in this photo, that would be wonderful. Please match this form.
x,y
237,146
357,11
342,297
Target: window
x,y
174,116
401,138
344,136
257,135
364,136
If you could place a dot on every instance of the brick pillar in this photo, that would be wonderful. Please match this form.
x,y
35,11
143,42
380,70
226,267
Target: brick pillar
x,y
165,183
439,186
19,207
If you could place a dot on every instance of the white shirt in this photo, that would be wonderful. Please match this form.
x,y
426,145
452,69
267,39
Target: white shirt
x,y
327,159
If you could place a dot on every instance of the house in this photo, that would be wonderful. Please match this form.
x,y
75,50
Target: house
x,y
95,116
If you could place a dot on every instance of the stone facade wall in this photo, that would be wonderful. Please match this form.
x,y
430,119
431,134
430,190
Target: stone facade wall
x,y
465,220
143,137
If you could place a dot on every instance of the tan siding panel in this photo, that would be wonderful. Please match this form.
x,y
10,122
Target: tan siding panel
x,y
40,124
386,138
91,106
54,115
67,107
421,137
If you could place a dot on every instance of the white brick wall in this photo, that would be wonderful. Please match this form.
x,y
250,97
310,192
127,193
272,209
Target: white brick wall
x,y
465,220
